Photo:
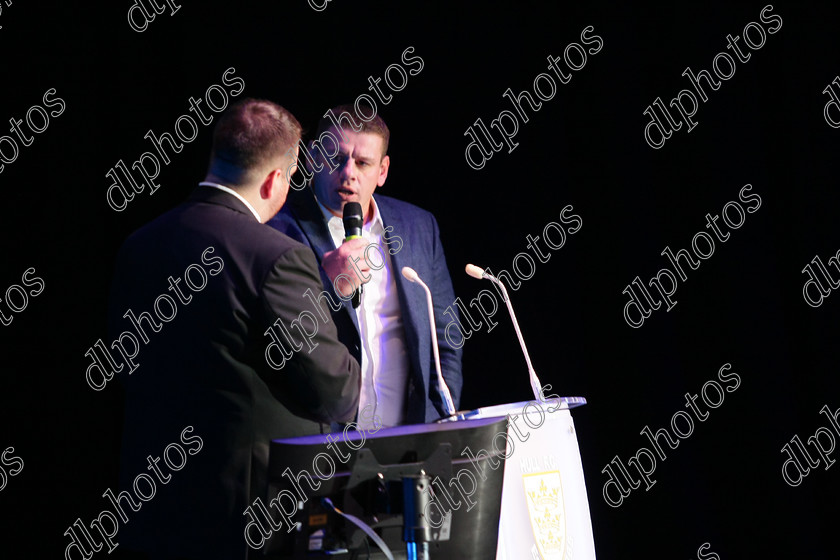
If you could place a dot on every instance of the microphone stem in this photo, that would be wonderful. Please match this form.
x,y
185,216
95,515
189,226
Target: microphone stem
x,y
444,390
536,386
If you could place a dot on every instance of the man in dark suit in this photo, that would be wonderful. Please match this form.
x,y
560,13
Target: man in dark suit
x,y
389,331
204,362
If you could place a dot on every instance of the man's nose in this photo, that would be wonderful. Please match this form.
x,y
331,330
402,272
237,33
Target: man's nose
x,y
347,170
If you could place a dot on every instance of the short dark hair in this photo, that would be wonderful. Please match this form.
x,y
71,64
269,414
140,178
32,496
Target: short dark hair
x,y
374,125
253,132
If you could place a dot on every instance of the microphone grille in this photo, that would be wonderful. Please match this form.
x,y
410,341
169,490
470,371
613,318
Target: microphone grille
x,y
409,273
352,209
352,216
475,271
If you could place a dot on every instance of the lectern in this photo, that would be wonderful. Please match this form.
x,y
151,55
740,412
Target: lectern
x,y
501,482
545,510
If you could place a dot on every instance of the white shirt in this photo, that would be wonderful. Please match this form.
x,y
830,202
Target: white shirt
x,y
384,355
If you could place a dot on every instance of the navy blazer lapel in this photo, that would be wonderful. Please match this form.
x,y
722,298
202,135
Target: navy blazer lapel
x,y
412,297
308,214
403,257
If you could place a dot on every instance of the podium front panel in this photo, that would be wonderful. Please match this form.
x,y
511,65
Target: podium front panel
x,y
545,509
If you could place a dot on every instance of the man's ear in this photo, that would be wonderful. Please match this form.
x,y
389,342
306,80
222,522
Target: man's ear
x,y
267,186
383,170
271,183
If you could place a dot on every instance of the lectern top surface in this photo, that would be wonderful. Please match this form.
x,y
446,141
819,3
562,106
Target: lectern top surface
x,y
499,410
407,430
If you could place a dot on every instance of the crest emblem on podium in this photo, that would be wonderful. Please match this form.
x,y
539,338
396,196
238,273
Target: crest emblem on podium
x,y
544,496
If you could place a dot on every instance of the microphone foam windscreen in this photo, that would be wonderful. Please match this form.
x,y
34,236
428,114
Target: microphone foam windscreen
x,y
353,219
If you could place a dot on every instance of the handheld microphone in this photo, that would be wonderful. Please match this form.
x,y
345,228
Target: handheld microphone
x,y
353,219
412,276
480,274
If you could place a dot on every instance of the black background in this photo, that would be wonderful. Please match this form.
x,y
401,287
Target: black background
x,y
585,147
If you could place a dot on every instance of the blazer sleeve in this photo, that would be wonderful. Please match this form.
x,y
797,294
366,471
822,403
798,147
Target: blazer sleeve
x,y
443,296
322,375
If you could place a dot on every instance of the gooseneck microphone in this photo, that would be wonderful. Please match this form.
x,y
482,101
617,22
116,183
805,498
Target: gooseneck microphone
x,y
353,219
480,273
411,275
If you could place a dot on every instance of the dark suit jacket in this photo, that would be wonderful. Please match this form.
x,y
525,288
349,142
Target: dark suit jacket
x,y
206,368
420,248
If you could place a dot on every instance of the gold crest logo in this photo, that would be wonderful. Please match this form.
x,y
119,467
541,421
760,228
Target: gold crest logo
x,y
544,495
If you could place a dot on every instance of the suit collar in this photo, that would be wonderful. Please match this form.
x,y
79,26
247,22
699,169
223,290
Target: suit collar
x,y
385,213
395,224
235,195
212,195
306,210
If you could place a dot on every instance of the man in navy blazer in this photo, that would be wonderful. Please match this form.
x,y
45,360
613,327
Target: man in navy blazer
x,y
399,377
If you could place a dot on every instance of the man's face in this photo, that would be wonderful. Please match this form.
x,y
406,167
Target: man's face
x,y
361,168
